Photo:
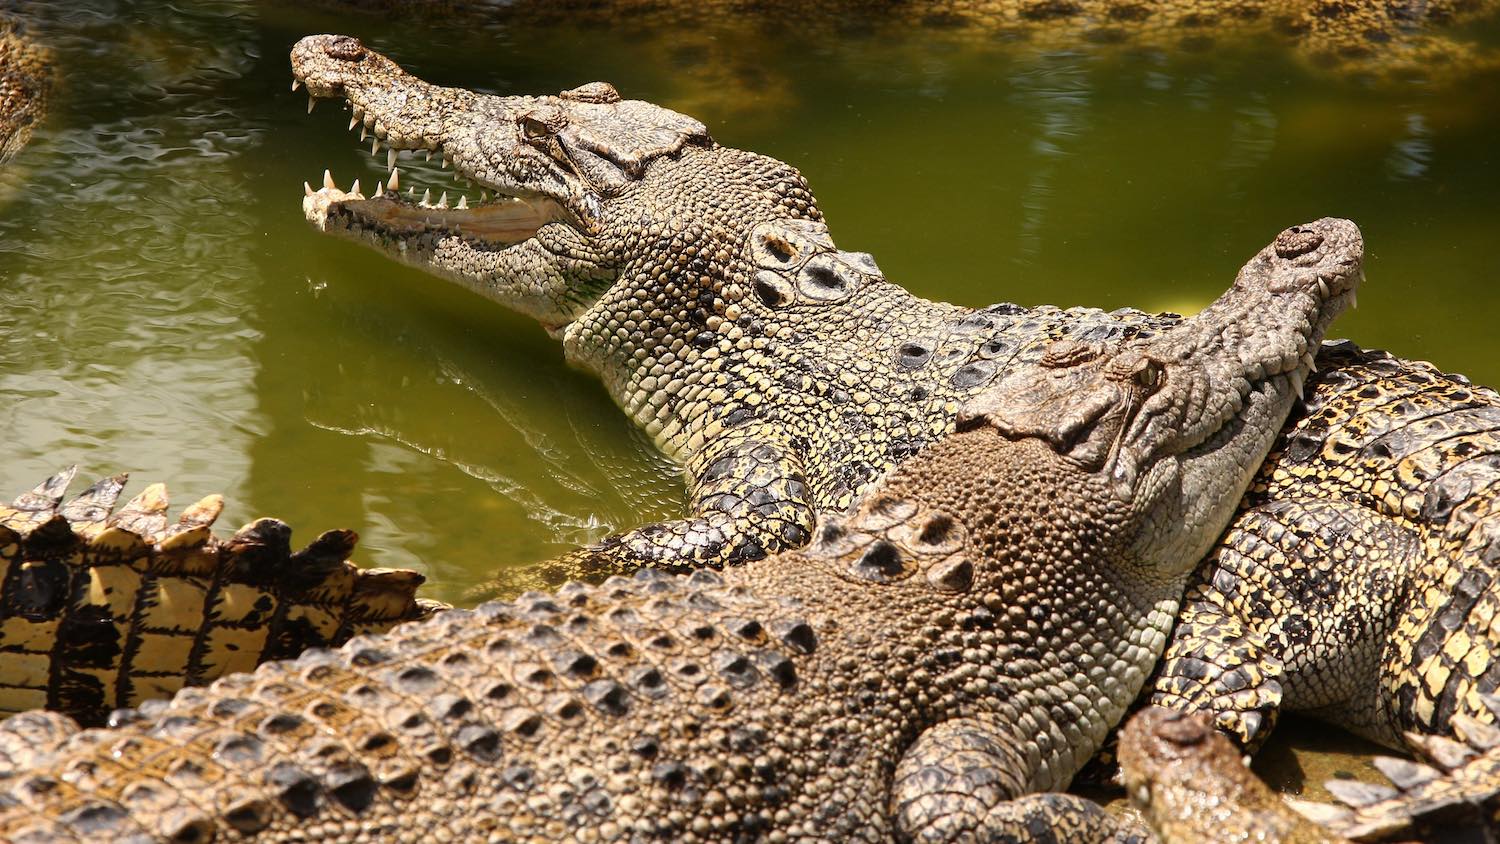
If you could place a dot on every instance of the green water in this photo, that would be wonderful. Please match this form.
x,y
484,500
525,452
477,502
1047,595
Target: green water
x,y
165,310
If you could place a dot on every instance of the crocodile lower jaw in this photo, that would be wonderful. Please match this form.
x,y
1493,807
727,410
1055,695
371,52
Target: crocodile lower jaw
x,y
503,221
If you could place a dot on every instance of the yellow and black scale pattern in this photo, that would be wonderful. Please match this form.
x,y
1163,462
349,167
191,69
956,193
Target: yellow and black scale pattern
x,y
1358,582
103,608
25,82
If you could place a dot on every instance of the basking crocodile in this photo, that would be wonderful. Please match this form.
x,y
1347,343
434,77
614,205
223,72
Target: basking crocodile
x,y
703,286
965,639
25,81
1191,784
103,608
1360,580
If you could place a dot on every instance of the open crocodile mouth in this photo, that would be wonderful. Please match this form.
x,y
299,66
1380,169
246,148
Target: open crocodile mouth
x,y
497,222
477,210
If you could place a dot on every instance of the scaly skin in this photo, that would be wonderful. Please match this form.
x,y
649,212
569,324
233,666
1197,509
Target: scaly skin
x,y
965,639
781,402
1192,786
25,81
701,284
103,608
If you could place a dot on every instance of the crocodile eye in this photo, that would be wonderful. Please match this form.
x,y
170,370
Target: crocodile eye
x,y
1147,374
533,128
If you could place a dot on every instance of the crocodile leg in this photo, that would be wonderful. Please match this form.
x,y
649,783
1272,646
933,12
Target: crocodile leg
x,y
1282,588
967,780
751,498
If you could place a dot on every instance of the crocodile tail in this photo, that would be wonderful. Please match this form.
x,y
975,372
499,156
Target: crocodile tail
x,y
1453,787
104,607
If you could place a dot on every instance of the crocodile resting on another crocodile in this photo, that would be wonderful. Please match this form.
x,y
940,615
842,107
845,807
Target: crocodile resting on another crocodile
x,y
103,608
702,284
965,639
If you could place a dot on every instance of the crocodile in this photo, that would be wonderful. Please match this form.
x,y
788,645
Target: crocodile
x,y
934,667
103,608
25,83
1191,784
718,331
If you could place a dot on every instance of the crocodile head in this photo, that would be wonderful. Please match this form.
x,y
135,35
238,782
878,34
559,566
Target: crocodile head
x,y
581,193
1177,423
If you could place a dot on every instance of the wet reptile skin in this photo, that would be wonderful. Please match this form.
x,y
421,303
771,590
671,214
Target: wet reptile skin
x,y
965,639
790,374
25,81
103,608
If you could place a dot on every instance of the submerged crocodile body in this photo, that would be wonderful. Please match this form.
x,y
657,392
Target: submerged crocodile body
x,y
103,608
964,640
25,82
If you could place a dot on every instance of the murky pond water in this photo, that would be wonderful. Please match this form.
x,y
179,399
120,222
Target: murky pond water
x,y
165,310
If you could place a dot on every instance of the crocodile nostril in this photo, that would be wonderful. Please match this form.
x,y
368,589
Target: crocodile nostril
x,y
346,48
1297,241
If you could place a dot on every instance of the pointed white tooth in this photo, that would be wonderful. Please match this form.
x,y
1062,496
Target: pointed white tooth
x,y
306,188
429,155
484,196
463,203
354,188
352,122
296,83
380,188
445,161
395,178
411,191
362,134
390,159
1354,298
443,201
374,146
310,102
328,180
427,197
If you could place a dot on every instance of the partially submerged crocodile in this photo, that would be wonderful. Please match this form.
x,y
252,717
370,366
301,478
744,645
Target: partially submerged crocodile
x,y
702,284
103,608
25,82
965,639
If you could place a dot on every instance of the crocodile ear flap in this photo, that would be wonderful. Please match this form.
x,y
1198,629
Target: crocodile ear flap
x,y
611,144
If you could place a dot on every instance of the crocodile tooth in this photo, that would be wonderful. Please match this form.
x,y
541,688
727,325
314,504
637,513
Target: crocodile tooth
x,y
395,179
310,102
354,188
443,200
1309,361
445,161
390,159
1322,289
352,121
412,192
328,180
374,146
362,134
379,189
429,155
463,203
296,83
427,196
